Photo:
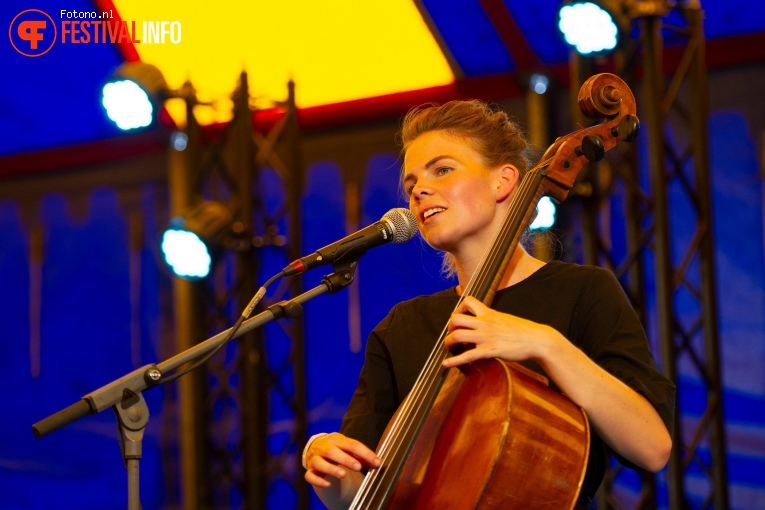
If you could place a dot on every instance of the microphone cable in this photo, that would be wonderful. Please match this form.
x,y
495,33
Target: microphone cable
x,y
231,332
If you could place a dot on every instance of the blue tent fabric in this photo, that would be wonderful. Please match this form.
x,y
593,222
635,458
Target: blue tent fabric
x,y
48,103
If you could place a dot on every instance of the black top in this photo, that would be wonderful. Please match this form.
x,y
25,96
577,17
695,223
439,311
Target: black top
x,y
584,303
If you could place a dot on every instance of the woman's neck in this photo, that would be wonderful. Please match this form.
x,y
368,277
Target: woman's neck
x,y
521,266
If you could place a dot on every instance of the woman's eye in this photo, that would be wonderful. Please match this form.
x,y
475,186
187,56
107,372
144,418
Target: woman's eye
x,y
442,170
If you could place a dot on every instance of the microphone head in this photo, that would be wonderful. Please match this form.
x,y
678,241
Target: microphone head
x,y
403,223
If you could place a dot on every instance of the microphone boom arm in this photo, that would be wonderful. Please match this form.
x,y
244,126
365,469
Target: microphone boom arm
x,y
125,395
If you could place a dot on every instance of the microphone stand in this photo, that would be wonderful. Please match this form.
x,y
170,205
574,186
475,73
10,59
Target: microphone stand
x,y
125,395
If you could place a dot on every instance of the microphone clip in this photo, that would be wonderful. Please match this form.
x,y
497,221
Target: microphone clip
x,y
342,277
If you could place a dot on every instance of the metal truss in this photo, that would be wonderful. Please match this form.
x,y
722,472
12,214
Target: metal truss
x,y
280,150
226,405
674,117
680,172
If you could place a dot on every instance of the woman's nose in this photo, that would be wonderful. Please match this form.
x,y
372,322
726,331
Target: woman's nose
x,y
420,189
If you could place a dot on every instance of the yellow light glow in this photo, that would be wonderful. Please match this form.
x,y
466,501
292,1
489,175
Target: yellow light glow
x,y
335,51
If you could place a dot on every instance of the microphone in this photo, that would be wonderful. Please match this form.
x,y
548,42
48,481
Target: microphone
x,y
396,226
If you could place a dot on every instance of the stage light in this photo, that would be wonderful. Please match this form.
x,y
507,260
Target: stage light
x,y
193,241
597,27
545,214
594,27
539,83
179,140
134,96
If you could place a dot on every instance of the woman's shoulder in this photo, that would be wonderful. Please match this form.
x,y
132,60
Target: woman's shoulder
x,y
576,274
436,301
565,281
574,270
426,311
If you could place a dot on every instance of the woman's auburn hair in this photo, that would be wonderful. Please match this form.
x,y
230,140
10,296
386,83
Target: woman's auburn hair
x,y
491,133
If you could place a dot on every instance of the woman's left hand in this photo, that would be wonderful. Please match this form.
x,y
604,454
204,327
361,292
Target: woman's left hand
x,y
493,334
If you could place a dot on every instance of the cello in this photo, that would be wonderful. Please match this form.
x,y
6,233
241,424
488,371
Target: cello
x,y
534,441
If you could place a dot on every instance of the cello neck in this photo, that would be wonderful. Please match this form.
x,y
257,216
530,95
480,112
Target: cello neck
x,y
521,211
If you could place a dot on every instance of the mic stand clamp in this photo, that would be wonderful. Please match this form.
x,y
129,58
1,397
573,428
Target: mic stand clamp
x,y
342,277
333,283
132,417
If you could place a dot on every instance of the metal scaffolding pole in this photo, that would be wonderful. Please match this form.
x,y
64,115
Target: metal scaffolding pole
x,y
653,85
699,117
692,274
280,149
183,181
251,358
294,162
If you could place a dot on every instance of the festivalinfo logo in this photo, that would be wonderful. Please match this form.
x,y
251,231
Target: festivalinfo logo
x,y
34,32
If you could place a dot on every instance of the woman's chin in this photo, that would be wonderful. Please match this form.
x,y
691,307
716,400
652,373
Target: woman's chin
x,y
438,242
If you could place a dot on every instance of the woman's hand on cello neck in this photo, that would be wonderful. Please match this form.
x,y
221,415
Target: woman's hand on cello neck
x,y
494,334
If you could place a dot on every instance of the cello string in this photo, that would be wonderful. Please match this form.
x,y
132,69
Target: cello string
x,y
427,386
525,188
432,370
438,354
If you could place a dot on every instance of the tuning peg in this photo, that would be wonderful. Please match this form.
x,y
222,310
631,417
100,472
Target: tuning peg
x,y
628,128
592,147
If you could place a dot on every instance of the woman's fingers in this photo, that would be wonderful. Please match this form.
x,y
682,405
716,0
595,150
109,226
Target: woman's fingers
x,y
353,453
475,325
323,467
472,306
471,314
334,453
462,321
316,479
465,357
462,336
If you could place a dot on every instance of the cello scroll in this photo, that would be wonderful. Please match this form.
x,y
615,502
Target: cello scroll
x,y
603,96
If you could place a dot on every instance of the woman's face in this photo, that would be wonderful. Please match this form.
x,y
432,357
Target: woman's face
x,y
452,194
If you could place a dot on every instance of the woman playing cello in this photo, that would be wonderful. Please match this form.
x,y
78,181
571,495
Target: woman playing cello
x,y
571,323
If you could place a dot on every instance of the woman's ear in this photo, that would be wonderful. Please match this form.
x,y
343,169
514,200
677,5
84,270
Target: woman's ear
x,y
507,182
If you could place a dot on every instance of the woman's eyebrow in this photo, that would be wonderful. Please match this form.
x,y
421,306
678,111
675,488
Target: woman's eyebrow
x,y
430,163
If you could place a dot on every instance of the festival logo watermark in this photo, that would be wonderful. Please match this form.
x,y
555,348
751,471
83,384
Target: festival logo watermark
x,y
34,32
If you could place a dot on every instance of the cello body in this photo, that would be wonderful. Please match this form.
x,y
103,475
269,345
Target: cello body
x,y
496,438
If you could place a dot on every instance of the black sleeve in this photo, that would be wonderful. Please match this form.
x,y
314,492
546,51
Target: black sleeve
x,y
614,338
375,399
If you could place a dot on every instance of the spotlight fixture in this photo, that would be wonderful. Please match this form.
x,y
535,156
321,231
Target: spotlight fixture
x,y
593,28
194,239
134,96
596,27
